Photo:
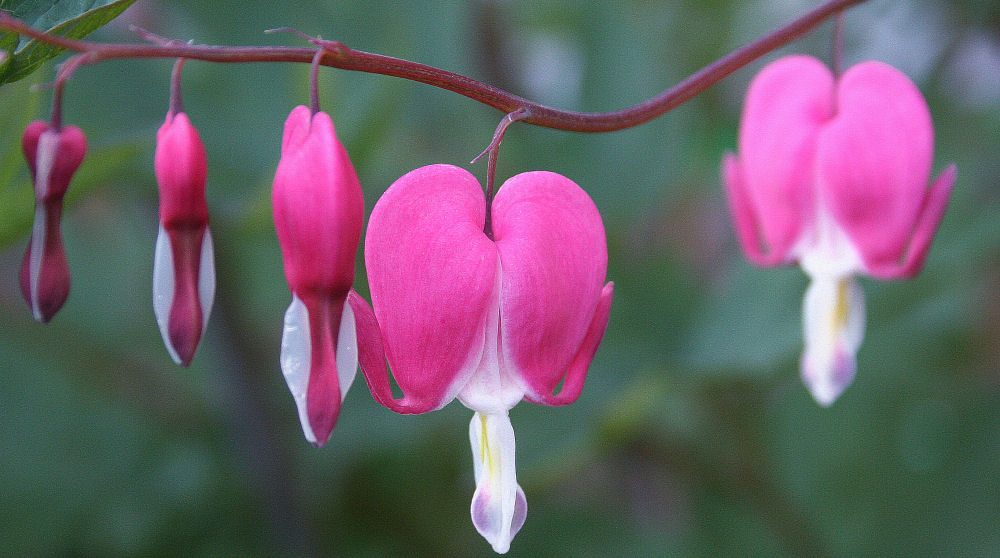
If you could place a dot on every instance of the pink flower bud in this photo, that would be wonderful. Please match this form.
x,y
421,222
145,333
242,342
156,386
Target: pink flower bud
x,y
53,155
184,263
318,214
833,174
490,321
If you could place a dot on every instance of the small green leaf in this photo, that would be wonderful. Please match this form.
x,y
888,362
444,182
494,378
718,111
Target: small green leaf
x,y
66,18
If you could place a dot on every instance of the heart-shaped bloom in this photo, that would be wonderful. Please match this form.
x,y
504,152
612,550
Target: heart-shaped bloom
x,y
53,155
318,213
184,263
487,320
833,174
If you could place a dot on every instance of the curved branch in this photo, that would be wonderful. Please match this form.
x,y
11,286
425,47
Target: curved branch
x,y
337,55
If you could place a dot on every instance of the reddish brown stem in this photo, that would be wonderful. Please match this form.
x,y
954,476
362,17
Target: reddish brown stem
x,y
347,59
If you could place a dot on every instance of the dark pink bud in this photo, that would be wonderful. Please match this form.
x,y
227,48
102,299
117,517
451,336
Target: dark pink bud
x,y
53,155
184,266
318,214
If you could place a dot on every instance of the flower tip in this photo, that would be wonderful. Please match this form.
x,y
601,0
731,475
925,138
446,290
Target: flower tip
x,y
183,344
826,386
44,275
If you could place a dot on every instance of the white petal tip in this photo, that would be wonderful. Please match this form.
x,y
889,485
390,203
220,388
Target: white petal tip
x,y
296,354
163,289
828,381
834,326
499,506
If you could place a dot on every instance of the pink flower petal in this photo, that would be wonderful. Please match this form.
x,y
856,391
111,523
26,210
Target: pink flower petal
x,y
873,162
181,169
577,371
431,271
553,256
744,214
318,205
787,104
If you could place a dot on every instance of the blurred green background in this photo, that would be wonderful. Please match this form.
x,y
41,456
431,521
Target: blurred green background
x,y
694,435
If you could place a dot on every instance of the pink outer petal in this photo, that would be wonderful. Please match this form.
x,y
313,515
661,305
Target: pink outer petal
x,y
873,165
180,165
54,160
744,214
930,216
432,274
553,257
772,186
318,205
577,372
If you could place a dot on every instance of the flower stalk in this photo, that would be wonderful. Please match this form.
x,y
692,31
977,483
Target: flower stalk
x,y
337,55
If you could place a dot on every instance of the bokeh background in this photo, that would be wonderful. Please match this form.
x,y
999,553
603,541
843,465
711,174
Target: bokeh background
x,y
694,435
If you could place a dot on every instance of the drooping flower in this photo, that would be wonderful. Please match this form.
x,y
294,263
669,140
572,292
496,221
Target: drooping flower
x,y
833,173
184,262
318,213
53,154
487,320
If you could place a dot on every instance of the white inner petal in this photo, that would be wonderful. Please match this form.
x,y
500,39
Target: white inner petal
x,y
163,288
45,159
206,277
296,357
347,350
38,239
833,327
498,504
490,389
825,250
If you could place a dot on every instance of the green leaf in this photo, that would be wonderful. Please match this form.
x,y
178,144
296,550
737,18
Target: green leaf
x,y
66,18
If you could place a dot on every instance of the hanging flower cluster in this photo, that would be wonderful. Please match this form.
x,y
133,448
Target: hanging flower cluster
x,y
832,173
492,300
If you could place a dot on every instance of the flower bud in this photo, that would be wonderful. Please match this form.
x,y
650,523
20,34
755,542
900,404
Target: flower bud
x,y
318,214
184,263
53,155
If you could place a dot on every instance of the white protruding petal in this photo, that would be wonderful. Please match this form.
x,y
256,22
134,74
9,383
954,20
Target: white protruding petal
x,y
38,228
347,351
498,504
296,357
163,288
834,326
206,277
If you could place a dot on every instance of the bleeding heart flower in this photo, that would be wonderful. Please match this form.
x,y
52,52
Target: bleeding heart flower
x,y
53,154
832,174
487,320
318,214
184,263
